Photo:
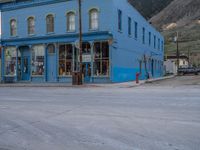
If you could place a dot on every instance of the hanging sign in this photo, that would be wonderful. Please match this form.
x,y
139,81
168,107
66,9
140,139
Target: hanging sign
x,y
86,58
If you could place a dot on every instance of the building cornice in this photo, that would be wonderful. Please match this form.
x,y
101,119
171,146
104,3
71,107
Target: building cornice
x,y
21,5
53,38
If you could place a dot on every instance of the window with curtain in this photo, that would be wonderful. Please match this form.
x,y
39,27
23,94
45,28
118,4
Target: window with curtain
x,y
101,59
94,19
31,25
71,22
10,61
13,27
50,23
38,52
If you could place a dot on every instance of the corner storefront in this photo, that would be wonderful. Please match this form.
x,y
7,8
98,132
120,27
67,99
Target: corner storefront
x,y
56,61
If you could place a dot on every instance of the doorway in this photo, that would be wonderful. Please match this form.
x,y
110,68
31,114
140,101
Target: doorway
x,y
152,67
24,64
51,64
86,68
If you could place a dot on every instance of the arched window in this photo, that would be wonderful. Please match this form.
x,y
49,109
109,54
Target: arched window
x,y
94,19
50,23
13,27
71,22
31,25
51,49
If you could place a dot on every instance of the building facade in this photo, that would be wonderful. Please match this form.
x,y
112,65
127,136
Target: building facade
x,y
39,42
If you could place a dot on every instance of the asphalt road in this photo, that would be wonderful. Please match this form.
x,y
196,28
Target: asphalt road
x,y
164,115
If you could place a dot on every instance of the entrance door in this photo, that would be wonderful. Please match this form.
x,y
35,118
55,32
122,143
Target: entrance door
x,y
25,64
86,72
152,68
51,64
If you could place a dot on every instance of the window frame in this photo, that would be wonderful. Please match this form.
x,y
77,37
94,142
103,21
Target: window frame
x,y
29,27
69,21
50,26
143,35
34,49
91,19
15,28
101,59
129,26
150,38
136,30
119,20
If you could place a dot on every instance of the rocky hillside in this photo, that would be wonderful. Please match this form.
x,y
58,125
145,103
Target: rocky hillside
x,y
179,13
182,16
149,8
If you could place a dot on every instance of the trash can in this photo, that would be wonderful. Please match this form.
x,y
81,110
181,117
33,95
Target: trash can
x,y
77,78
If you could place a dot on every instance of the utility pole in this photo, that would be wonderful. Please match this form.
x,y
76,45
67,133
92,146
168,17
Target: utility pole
x,y
189,57
80,40
77,78
177,49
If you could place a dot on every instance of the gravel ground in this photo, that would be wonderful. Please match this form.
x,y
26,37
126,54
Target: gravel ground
x,y
163,115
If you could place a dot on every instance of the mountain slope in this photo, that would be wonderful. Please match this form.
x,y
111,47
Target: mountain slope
x,y
177,14
149,8
182,16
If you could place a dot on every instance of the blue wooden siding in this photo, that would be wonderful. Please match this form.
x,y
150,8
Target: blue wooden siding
x,y
126,50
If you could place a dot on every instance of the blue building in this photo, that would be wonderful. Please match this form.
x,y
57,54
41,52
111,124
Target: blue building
x,y
39,41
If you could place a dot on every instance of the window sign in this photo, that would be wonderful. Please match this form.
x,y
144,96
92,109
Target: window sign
x,y
86,58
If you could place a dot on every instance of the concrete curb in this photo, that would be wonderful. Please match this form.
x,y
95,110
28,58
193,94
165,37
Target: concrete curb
x,y
159,79
115,85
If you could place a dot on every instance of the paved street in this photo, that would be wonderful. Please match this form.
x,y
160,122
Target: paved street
x,y
164,115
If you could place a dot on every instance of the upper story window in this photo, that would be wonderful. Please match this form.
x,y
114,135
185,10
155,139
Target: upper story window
x,y
129,26
71,21
149,38
31,25
119,20
162,46
94,19
143,35
158,44
13,27
154,41
50,23
136,30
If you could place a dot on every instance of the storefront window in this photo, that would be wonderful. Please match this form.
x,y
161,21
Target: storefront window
x,y
101,59
65,59
10,61
38,60
86,48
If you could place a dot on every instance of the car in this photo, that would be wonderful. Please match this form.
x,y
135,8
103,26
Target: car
x,y
189,70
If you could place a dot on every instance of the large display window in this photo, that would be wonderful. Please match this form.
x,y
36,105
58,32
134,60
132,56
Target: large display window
x,y
65,59
101,59
38,52
10,61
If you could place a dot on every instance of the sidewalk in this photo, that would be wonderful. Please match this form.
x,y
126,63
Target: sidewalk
x,y
115,85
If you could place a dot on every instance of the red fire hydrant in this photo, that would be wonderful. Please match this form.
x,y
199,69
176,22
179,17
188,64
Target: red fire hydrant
x,y
137,77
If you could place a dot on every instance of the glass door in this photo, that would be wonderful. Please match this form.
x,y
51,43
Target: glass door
x,y
86,68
